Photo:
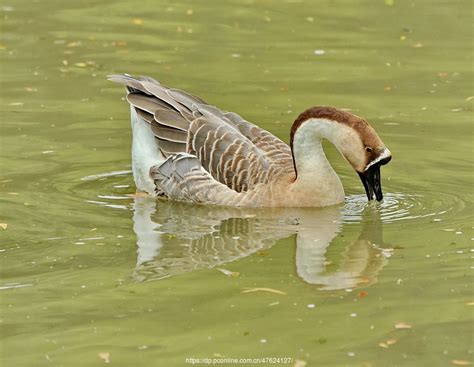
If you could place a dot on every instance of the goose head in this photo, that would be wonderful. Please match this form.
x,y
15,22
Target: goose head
x,y
352,135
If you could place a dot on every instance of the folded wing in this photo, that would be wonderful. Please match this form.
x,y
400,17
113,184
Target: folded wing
x,y
233,151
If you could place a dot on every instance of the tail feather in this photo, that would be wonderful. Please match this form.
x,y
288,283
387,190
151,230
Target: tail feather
x,y
175,166
132,84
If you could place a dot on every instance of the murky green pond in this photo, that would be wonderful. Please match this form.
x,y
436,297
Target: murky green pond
x,y
90,273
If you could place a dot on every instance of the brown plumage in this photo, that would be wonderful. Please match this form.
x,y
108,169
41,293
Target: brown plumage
x,y
234,151
200,153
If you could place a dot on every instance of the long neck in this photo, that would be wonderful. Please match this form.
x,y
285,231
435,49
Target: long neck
x,y
313,169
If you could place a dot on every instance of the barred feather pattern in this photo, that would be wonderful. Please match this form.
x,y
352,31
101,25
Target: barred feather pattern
x,y
213,156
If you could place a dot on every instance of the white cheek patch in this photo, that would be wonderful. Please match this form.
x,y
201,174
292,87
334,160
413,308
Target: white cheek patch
x,y
385,154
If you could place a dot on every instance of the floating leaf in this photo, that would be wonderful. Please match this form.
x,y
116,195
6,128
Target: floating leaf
x,y
229,273
120,43
3,225
105,356
73,44
362,294
271,290
402,325
80,64
137,21
299,363
460,362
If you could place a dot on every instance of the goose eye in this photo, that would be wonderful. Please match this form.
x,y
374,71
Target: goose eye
x,y
368,149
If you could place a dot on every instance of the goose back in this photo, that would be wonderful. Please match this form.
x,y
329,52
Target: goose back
x,y
234,151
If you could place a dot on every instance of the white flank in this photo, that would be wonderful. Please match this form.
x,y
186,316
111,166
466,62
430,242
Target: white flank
x,y
145,153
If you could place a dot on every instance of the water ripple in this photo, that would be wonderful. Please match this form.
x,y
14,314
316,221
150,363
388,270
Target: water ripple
x,y
398,206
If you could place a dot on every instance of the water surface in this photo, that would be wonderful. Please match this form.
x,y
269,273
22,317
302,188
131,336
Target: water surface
x,y
91,272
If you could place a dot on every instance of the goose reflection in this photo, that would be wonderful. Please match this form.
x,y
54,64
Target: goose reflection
x,y
175,238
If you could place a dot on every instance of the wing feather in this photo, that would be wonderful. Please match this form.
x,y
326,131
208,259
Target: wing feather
x,y
232,150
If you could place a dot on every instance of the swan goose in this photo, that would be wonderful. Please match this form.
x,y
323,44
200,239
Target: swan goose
x,y
187,150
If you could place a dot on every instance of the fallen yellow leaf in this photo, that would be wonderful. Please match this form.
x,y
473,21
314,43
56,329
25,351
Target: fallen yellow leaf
x,y
105,356
73,44
229,273
137,21
460,362
271,290
387,343
3,225
402,325
81,64
299,363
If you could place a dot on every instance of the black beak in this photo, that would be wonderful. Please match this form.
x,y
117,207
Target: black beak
x,y
372,183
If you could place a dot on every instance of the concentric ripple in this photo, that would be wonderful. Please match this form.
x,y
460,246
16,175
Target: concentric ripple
x,y
399,206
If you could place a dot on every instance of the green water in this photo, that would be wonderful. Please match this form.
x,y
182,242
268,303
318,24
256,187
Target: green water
x,y
90,273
